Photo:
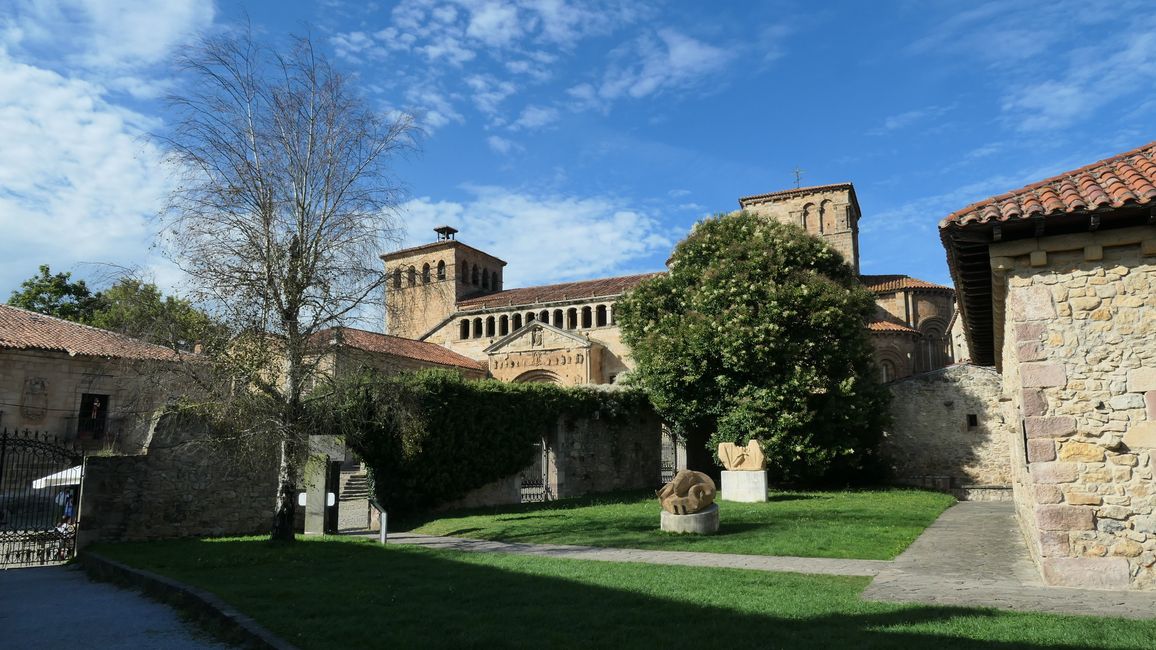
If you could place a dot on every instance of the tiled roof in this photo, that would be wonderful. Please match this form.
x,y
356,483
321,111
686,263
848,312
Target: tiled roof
x,y
890,283
1125,179
26,330
556,292
782,194
886,324
401,347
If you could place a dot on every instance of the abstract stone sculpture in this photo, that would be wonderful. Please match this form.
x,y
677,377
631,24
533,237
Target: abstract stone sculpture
x,y
747,459
689,492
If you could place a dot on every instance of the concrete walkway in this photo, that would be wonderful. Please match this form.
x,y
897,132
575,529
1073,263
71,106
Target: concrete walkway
x,y
59,607
972,556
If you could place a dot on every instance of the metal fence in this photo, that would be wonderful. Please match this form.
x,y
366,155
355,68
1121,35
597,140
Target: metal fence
x,y
40,481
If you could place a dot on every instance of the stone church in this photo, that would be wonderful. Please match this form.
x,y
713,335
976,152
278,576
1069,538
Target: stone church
x,y
451,294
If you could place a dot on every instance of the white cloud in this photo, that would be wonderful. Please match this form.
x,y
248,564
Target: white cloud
x,y
431,107
79,183
502,145
489,92
546,237
106,35
494,23
652,64
908,118
535,117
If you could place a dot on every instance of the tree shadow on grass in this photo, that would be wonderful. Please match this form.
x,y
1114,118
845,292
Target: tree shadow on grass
x,y
340,594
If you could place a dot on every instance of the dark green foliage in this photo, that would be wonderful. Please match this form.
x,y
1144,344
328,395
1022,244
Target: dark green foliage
x,y
758,332
431,437
57,295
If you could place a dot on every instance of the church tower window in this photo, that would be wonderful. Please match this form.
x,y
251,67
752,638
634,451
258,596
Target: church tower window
x,y
474,276
412,277
397,278
425,273
441,270
485,278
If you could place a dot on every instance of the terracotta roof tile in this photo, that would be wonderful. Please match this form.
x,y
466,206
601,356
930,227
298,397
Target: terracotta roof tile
x,y
1126,179
555,292
401,347
26,330
888,324
890,283
781,194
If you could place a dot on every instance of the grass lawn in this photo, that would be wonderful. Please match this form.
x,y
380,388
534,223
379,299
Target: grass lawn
x,y
868,525
350,593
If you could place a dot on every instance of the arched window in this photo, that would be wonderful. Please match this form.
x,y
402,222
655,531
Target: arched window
x,y
529,318
572,318
558,313
887,369
441,270
503,325
811,219
931,348
517,322
477,328
544,316
412,277
464,329
397,278
586,320
827,215
464,273
485,278
425,273
475,278
490,326
496,280
600,316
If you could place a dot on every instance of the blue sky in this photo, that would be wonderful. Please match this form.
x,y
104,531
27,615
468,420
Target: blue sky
x,y
580,139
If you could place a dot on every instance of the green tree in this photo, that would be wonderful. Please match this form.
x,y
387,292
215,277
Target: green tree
x,y
758,332
57,295
140,310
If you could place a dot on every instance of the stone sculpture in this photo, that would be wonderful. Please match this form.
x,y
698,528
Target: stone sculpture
x,y
744,459
689,492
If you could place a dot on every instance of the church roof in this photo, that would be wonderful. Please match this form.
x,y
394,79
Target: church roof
x,y
556,292
888,323
1124,179
798,191
397,346
27,330
891,283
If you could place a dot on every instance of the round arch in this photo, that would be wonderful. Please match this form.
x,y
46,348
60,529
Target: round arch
x,y
538,377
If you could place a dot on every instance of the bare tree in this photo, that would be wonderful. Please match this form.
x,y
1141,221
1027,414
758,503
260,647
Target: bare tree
x,y
284,202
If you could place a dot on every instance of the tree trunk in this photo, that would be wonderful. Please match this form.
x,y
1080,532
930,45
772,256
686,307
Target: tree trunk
x,y
283,529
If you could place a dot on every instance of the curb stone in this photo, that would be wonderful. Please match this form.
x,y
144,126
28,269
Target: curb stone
x,y
204,605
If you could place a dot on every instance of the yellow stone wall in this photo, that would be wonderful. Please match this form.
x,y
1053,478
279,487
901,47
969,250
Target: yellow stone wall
x,y
829,214
413,308
1079,364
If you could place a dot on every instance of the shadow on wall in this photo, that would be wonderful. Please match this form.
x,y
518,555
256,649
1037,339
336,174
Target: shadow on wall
x,y
951,432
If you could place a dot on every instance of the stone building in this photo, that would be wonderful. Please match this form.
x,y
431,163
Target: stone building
x,y
75,381
451,294
1057,286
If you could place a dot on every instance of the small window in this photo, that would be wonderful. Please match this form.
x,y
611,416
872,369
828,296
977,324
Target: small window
x,y
517,321
412,277
600,316
490,326
485,278
475,278
529,317
544,316
558,318
477,328
572,319
425,274
503,325
464,329
93,417
397,278
442,270
587,319
972,420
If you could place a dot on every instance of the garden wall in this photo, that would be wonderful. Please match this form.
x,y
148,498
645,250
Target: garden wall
x,y
182,487
588,456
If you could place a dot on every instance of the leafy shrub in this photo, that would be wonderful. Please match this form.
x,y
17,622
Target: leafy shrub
x,y
431,437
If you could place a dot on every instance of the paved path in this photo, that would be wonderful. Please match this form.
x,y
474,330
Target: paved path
x,y
682,558
59,607
973,556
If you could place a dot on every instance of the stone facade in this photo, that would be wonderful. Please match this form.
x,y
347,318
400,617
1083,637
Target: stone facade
x,y
829,212
184,486
1078,363
592,455
950,432
48,391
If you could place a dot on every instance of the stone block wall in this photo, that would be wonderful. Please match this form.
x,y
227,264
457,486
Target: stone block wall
x,y
1079,362
182,487
592,455
950,431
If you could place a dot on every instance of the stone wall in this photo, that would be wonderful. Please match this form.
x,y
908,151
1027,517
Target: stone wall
x,y
1079,364
950,431
182,487
592,455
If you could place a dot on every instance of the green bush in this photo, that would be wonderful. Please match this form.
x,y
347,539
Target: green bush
x,y
431,437
758,332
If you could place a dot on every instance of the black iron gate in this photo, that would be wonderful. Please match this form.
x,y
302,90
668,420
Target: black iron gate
x,y
535,486
40,480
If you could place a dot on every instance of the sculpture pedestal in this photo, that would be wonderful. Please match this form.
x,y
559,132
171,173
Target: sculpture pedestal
x,y
700,523
747,487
